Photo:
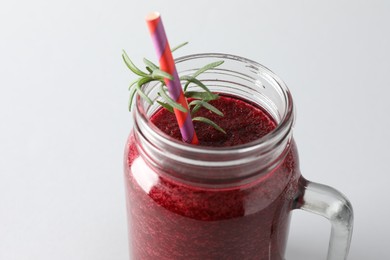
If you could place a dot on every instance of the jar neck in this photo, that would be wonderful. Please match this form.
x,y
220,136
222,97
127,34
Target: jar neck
x,y
239,77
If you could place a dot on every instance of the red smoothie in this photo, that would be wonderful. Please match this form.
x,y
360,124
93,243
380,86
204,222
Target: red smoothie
x,y
170,220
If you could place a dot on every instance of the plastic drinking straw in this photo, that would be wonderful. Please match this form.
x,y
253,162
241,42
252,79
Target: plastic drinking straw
x,y
167,64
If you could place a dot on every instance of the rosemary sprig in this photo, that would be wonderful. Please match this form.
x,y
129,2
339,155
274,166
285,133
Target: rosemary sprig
x,y
155,74
178,46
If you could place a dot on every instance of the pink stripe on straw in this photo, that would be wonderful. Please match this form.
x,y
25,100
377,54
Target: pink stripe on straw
x,y
167,64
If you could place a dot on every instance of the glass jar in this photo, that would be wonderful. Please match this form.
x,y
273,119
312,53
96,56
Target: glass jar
x,y
195,202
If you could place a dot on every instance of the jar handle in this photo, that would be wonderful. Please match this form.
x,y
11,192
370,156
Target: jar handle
x,y
331,204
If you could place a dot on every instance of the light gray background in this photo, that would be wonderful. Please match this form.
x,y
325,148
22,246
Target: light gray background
x,y
64,119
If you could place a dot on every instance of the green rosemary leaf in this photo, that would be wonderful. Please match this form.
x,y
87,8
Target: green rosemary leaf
x,y
170,101
206,96
150,64
195,102
207,67
132,93
159,74
139,90
191,79
166,106
133,83
203,69
131,65
185,86
209,122
196,108
179,46
212,108
200,103
149,69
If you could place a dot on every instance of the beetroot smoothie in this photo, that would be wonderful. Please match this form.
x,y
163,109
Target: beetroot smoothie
x,y
172,219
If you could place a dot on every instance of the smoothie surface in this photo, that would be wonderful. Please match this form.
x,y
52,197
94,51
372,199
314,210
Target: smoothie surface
x,y
243,123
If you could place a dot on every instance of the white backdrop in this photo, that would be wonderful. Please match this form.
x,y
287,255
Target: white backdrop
x,y
64,119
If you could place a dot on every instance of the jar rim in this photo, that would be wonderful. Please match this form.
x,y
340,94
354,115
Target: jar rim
x,y
282,128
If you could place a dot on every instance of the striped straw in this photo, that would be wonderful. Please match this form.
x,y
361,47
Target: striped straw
x,y
167,64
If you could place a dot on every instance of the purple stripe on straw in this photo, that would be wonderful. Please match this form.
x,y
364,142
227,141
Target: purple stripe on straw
x,y
174,86
189,131
159,39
